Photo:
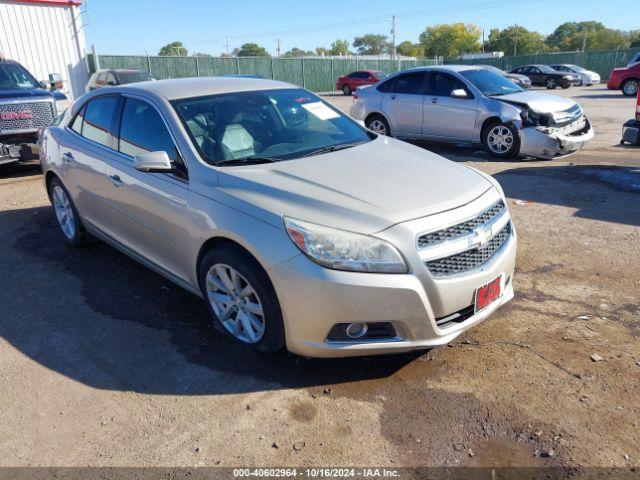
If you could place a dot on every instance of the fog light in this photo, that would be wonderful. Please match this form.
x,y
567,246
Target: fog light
x,y
356,330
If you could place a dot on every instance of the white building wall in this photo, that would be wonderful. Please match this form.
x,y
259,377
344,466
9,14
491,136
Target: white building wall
x,y
46,39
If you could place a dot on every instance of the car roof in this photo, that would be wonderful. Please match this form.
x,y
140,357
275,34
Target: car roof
x,y
450,68
177,88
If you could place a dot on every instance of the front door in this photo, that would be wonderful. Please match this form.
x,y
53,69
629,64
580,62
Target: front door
x,y
447,117
402,104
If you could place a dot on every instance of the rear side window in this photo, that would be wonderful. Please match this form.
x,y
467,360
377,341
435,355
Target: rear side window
x,y
442,84
142,130
386,86
411,83
98,117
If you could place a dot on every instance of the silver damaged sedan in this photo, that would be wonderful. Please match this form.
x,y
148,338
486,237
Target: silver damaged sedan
x,y
298,227
473,104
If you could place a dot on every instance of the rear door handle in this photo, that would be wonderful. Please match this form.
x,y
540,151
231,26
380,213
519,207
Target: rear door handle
x,y
393,97
434,100
67,157
115,179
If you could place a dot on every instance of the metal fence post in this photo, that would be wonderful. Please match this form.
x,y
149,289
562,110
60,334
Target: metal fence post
x,y
273,75
238,65
304,80
333,75
197,67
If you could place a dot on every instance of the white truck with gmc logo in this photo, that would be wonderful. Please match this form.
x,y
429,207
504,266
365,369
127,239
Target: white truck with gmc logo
x,y
26,106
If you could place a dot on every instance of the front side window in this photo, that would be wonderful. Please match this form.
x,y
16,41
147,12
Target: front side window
x,y
442,84
273,124
491,83
142,130
98,118
76,124
412,83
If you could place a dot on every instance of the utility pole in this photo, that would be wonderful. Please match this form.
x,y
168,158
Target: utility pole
x,y
226,44
393,36
515,43
584,41
483,40
279,47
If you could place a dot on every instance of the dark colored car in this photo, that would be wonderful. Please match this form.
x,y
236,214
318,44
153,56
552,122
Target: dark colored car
x,y
625,79
546,76
521,80
349,83
26,106
111,78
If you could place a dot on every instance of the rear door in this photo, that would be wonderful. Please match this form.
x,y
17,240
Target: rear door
x,y
445,116
149,211
403,103
87,141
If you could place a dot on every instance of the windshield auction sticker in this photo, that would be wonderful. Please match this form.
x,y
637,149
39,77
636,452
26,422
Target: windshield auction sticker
x,y
320,110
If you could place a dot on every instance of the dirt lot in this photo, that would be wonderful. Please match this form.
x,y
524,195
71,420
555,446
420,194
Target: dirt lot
x,y
104,363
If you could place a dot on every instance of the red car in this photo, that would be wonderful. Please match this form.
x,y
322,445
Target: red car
x,y
625,79
349,83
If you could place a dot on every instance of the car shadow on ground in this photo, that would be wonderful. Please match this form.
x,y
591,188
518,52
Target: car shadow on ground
x,y
100,318
599,192
25,169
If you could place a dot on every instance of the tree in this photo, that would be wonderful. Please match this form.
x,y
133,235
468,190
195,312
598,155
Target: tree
x,y
516,40
589,35
410,49
297,52
339,47
251,50
173,49
451,39
371,44
201,55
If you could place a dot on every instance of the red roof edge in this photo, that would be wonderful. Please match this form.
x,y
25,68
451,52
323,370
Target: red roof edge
x,y
58,3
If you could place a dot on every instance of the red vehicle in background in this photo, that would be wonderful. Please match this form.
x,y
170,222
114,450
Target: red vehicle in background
x,y
625,79
349,83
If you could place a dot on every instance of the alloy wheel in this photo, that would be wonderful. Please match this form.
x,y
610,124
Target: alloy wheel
x,y
378,127
235,303
500,139
64,212
631,87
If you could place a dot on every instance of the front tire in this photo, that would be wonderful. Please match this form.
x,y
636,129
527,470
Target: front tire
x,y
630,87
551,84
241,298
346,90
501,140
378,124
66,214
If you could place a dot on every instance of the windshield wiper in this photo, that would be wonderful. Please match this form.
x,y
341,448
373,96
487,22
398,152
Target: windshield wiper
x,y
330,148
250,160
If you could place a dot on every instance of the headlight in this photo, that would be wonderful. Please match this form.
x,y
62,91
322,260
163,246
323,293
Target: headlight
x,y
62,105
341,250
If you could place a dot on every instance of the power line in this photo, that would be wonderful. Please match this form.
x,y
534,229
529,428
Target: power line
x,y
464,8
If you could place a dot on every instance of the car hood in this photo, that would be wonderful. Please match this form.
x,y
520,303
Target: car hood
x,y
363,189
518,76
23,93
539,102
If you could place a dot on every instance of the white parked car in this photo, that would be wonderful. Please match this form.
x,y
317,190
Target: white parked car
x,y
587,77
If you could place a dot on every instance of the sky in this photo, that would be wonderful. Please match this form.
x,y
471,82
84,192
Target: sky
x,y
139,26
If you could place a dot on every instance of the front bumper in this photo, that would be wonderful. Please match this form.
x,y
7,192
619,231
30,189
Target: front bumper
x,y
548,143
314,299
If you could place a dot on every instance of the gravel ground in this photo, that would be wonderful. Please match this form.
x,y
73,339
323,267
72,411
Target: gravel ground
x,y
104,363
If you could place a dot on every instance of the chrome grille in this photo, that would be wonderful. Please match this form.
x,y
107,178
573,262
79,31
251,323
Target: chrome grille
x,y
471,258
460,229
11,116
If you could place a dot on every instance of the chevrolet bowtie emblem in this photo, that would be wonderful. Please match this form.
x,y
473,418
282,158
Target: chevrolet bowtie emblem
x,y
482,236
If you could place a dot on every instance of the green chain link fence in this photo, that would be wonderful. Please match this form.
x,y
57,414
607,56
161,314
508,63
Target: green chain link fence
x,y
320,74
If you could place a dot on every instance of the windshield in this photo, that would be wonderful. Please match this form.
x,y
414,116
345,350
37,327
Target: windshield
x,y
576,68
13,75
547,69
380,75
133,77
491,83
272,124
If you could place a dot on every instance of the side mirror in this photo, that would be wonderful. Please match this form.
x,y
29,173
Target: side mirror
x,y
157,162
55,81
459,93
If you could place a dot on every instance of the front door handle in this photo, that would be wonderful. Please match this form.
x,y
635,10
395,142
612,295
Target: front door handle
x,y
393,97
115,179
434,100
67,157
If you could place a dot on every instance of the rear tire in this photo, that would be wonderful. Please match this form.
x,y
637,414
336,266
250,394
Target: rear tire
x,y
66,215
346,90
551,84
501,140
378,124
241,298
630,87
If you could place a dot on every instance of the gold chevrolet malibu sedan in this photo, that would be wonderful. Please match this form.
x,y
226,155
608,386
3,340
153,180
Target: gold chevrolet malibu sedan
x,y
298,227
